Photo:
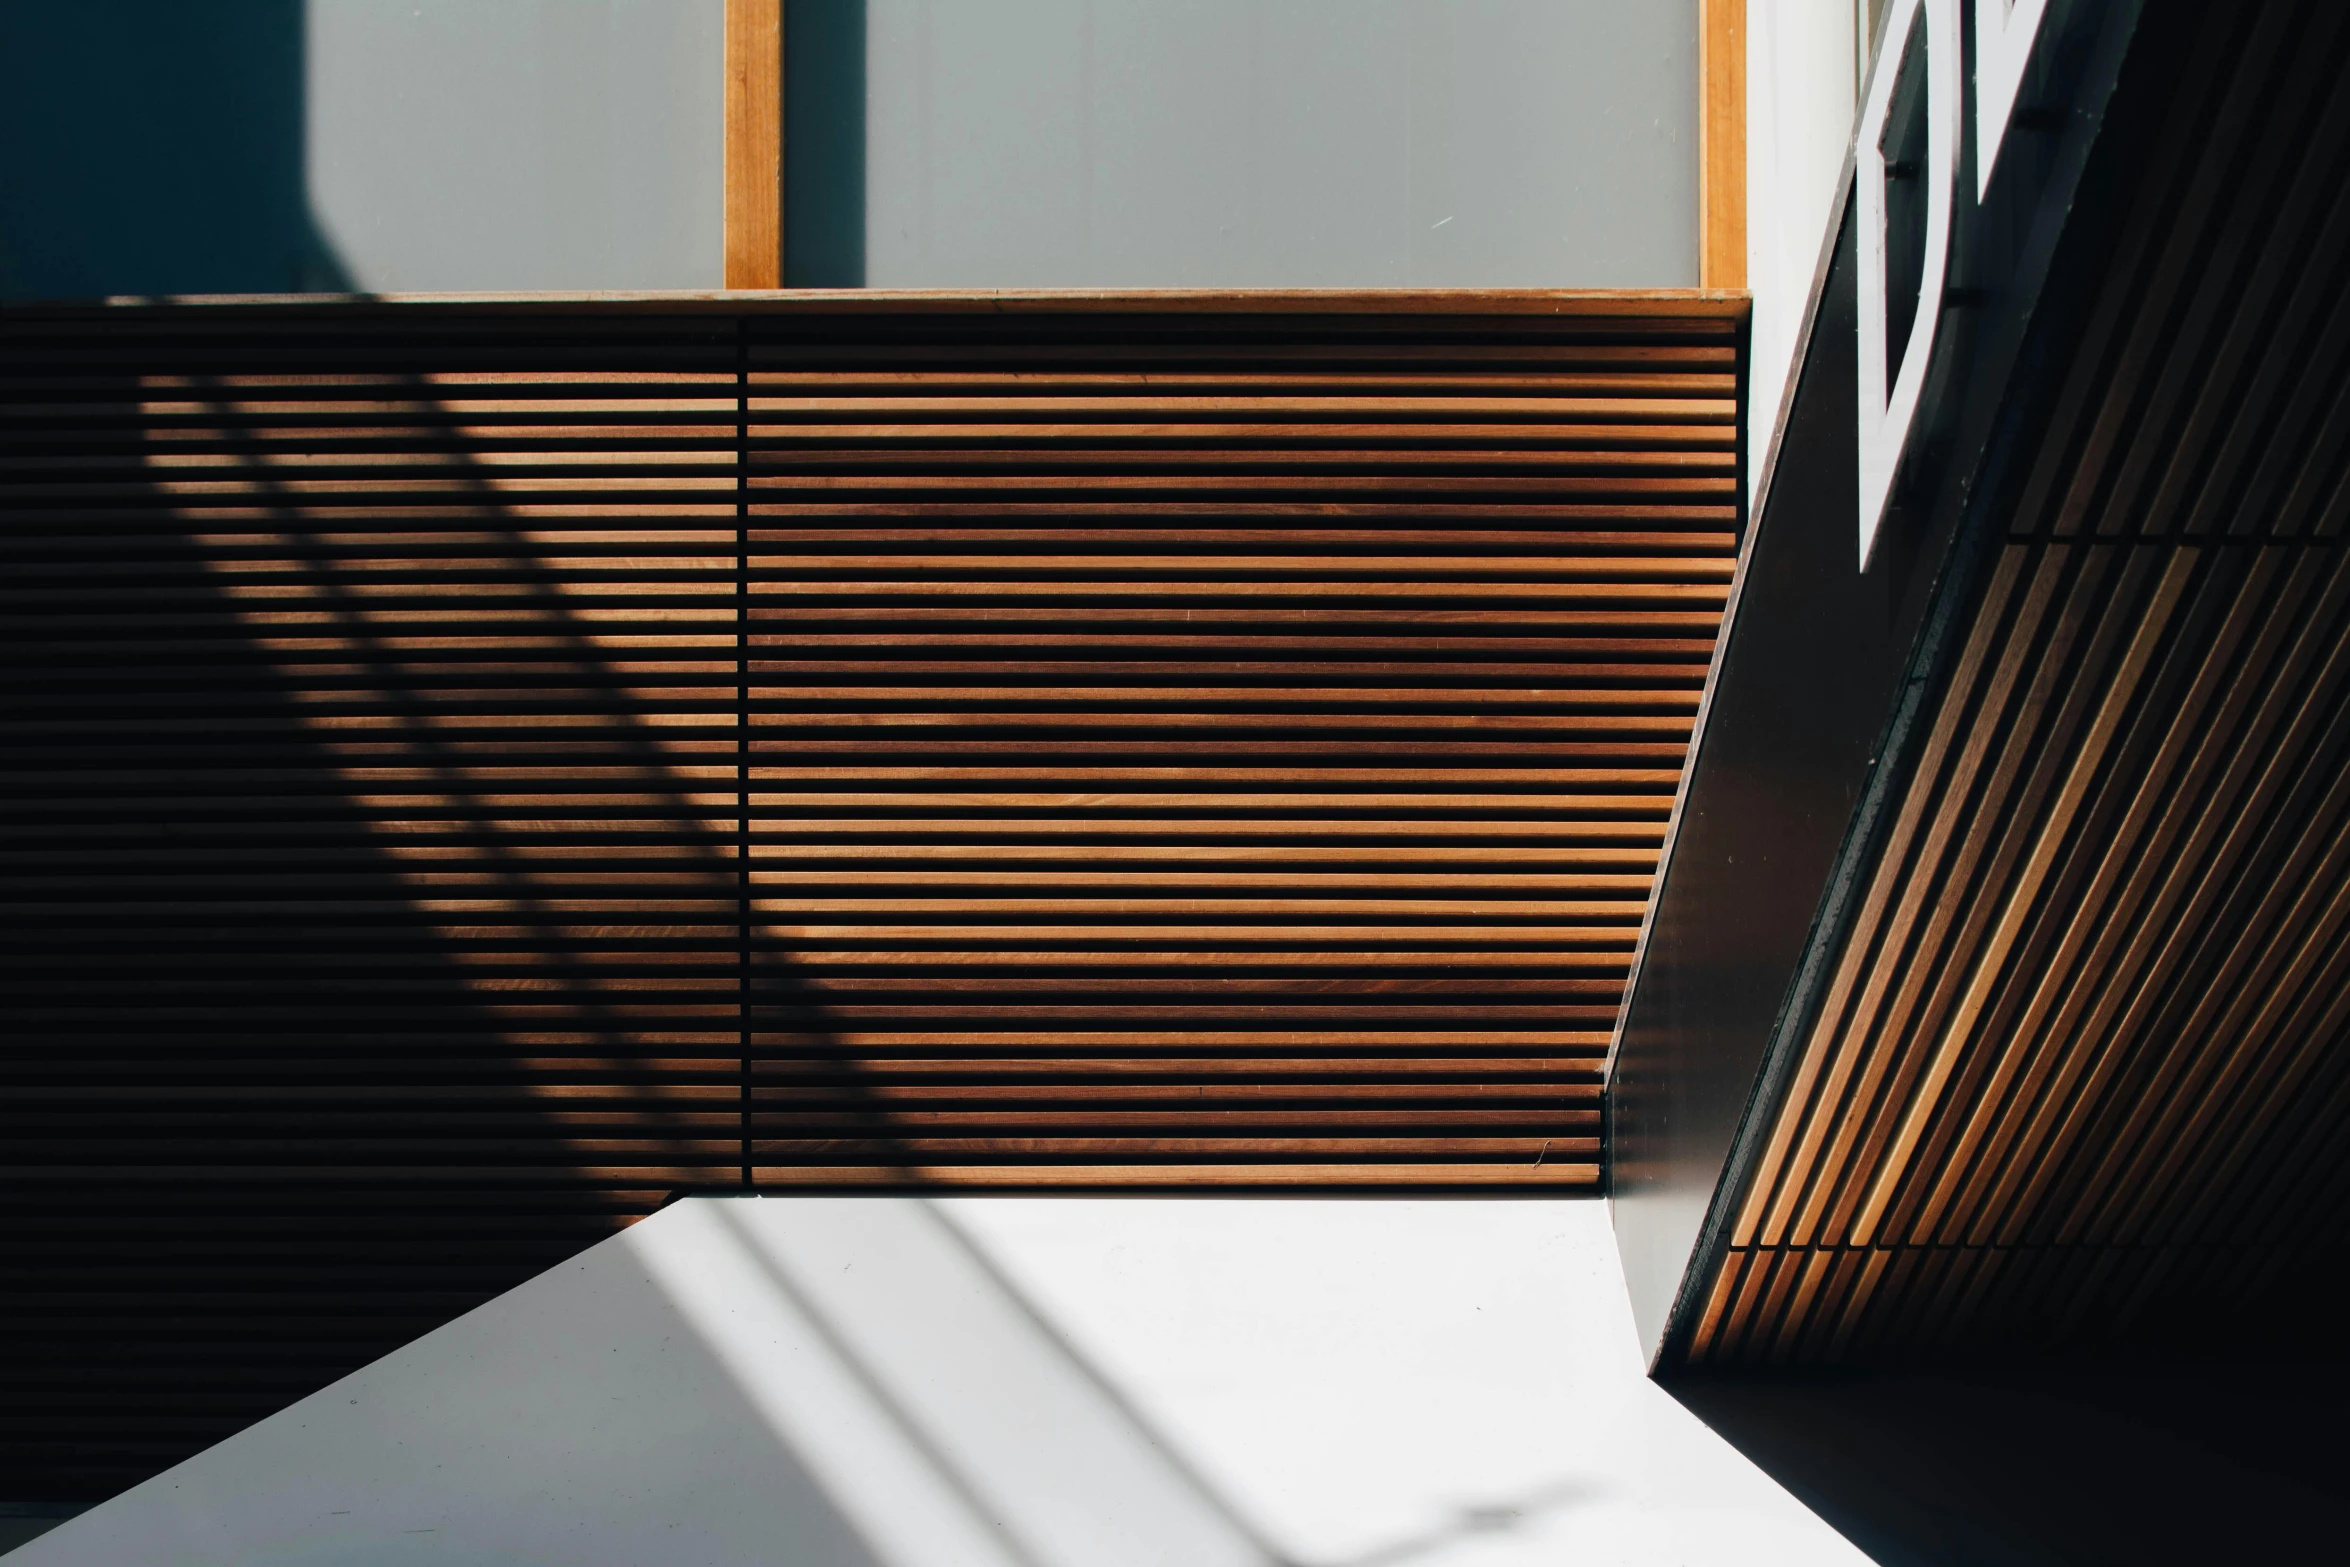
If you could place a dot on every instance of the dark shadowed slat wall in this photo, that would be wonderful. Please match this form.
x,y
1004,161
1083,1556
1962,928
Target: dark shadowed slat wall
x,y
477,770
2083,1074
372,728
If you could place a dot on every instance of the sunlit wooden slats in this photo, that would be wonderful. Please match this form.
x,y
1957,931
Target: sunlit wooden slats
x,y
2082,1071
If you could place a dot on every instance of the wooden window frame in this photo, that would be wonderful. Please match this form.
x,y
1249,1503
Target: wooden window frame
x,y
754,143
1721,144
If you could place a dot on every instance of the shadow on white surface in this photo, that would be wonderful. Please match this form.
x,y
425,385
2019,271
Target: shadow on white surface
x,y
1032,1382
942,1415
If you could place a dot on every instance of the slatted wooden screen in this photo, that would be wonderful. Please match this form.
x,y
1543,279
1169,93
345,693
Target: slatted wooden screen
x,y
478,770
1177,755
2083,1072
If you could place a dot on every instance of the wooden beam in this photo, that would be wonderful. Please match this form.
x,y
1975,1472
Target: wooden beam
x,y
1721,144
754,143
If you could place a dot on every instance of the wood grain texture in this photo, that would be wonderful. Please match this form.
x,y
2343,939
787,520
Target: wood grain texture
x,y
1721,143
753,109
477,772
2081,1073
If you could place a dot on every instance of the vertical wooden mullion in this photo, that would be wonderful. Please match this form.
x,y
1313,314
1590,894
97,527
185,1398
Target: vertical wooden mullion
x,y
742,731
1721,144
754,143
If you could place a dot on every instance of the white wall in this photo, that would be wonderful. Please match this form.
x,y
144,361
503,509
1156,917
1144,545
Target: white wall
x,y
517,144
1024,1382
391,145
1799,110
1279,143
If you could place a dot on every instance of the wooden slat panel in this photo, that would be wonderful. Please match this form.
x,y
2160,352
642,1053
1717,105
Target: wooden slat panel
x,y
2081,1072
1166,591
478,770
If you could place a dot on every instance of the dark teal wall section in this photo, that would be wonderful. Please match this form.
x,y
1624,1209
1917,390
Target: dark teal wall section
x,y
824,143
154,147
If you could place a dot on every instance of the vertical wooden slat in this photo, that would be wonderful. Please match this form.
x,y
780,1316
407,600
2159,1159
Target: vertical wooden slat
x,y
754,143
1721,143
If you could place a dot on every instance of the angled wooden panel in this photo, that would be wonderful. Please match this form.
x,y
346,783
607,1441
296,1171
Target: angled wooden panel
x,y
2080,1074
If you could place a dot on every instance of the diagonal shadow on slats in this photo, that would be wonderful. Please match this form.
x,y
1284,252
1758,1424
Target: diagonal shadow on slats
x,y
373,957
